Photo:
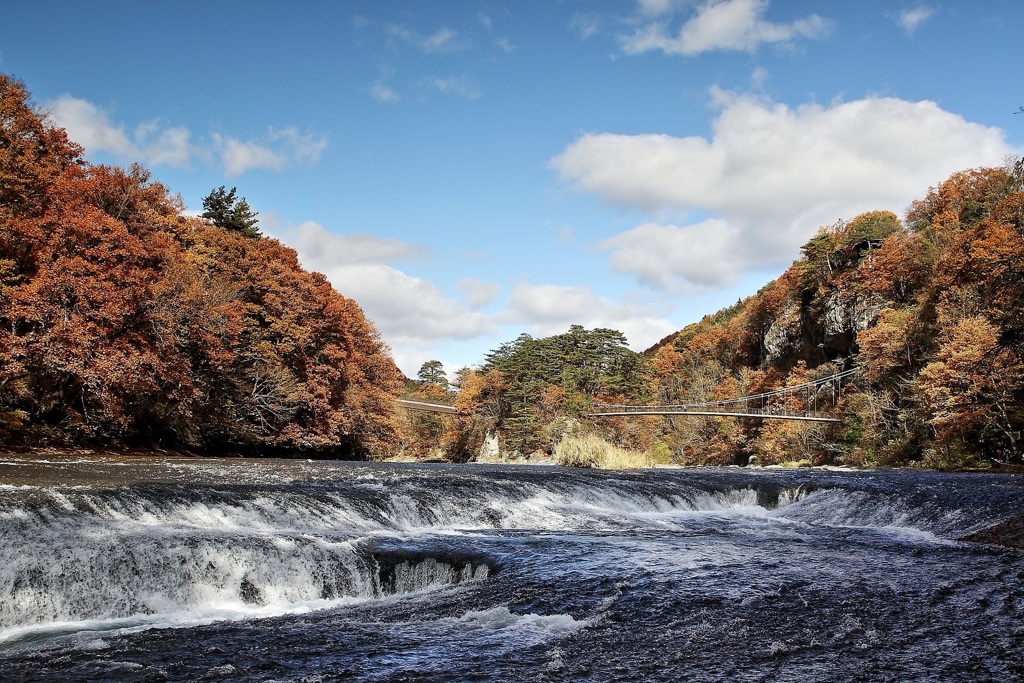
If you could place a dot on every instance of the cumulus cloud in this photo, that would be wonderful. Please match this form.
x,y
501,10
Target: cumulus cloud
x,y
656,254
410,312
910,19
279,148
478,293
737,25
239,156
91,127
551,309
155,144
767,177
320,248
416,318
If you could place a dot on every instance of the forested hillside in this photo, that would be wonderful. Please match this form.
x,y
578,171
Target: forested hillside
x,y
931,308
123,322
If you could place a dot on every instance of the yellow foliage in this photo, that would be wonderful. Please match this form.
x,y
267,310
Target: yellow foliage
x,y
590,450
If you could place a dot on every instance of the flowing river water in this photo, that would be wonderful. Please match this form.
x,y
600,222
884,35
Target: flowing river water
x,y
120,569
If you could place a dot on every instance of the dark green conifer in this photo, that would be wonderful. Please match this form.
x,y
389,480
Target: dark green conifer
x,y
225,211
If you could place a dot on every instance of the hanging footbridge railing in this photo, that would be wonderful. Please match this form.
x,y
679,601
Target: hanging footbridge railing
x,y
426,407
813,401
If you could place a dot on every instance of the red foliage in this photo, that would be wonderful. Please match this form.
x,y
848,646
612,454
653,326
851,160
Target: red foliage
x,y
123,322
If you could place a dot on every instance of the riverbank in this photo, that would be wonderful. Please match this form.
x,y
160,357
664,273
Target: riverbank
x,y
134,454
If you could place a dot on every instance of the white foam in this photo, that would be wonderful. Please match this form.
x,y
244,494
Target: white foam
x,y
533,628
89,631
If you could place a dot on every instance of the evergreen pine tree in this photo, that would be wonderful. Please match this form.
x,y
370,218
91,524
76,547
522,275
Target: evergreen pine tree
x,y
225,211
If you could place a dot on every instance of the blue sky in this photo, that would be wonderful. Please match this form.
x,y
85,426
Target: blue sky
x,y
468,171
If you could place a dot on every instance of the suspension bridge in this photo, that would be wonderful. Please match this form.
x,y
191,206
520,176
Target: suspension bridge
x,y
813,401
426,407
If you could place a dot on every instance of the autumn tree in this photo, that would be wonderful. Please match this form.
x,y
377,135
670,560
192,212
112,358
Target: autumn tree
x,y
959,202
975,387
122,322
33,153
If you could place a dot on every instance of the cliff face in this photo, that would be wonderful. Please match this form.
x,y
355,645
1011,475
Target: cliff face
x,y
818,331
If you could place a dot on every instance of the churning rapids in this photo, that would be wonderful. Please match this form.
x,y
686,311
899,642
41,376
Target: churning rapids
x,y
228,570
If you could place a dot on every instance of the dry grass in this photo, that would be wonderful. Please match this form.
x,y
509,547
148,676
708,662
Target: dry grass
x,y
590,450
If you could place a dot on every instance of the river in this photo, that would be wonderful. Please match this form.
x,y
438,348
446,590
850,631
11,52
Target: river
x,y
128,569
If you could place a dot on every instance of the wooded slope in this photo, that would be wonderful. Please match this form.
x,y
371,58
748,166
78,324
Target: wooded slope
x,y
931,308
123,322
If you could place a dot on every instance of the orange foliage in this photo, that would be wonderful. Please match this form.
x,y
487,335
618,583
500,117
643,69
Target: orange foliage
x,y
959,202
975,383
481,393
898,268
551,402
122,322
893,346
666,361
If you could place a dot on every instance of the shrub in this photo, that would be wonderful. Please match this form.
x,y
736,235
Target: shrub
x,y
950,456
590,450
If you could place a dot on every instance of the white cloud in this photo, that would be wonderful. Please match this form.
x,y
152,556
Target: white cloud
x,y
442,41
154,144
238,156
415,318
503,43
585,25
657,254
279,148
303,148
910,19
769,176
410,312
458,86
655,8
759,76
478,293
91,127
551,309
321,248
718,25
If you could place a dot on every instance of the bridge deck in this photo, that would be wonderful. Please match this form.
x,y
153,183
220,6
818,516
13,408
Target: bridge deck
x,y
717,413
427,407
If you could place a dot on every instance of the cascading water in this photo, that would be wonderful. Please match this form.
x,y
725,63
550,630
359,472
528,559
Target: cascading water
x,y
286,570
